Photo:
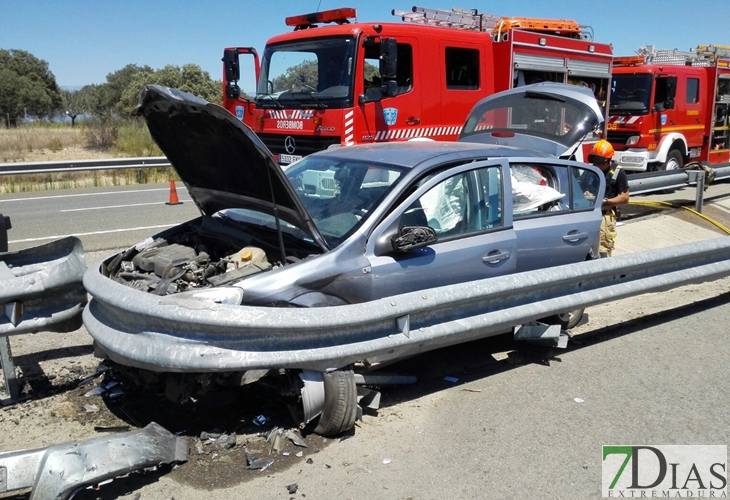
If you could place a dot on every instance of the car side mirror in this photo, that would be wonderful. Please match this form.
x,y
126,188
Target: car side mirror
x,y
411,237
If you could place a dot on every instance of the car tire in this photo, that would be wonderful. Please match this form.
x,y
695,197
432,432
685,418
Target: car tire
x,y
674,161
566,320
340,403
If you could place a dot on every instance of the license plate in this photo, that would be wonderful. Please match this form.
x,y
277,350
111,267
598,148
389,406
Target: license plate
x,y
284,159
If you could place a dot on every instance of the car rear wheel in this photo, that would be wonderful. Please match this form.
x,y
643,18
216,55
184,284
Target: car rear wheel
x,y
340,403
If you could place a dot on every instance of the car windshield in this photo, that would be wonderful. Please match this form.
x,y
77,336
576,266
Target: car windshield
x,y
340,194
630,94
533,113
315,73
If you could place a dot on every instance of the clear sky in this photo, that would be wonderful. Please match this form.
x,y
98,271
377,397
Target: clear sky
x,y
84,40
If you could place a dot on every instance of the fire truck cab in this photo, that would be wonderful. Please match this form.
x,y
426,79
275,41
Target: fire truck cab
x,y
670,107
333,81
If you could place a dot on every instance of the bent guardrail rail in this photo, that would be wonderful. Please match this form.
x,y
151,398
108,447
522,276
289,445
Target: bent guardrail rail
x,y
58,471
41,289
168,334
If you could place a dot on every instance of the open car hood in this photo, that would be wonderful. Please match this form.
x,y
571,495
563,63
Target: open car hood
x,y
548,117
220,160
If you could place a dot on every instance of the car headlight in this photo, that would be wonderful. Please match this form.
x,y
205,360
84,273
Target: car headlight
x,y
633,140
230,295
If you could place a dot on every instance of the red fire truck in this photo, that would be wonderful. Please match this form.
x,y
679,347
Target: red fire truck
x,y
670,107
349,82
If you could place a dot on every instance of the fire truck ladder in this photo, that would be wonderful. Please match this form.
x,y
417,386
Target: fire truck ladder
x,y
471,19
468,19
704,55
713,51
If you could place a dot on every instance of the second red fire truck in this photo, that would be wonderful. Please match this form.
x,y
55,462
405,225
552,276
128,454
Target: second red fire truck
x,y
670,107
334,81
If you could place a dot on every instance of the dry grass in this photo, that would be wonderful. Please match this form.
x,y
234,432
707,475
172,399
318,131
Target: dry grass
x,y
34,143
60,142
97,178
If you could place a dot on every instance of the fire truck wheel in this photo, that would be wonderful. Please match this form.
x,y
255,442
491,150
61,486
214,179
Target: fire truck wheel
x,y
340,403
674,161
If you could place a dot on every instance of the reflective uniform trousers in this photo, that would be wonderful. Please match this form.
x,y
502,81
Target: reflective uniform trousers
x,y
608,233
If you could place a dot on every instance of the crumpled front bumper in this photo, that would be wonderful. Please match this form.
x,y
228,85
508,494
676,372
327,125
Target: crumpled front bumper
x,y
58,471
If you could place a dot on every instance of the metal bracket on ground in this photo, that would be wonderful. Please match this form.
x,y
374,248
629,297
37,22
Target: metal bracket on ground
x,y
542,334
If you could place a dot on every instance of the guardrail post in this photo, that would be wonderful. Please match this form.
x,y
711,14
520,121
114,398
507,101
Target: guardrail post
x,y
4,226
11,383
698,177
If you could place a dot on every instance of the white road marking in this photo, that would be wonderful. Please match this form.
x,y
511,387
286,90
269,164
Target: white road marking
x,y
721,207
114,206
57,237
89,194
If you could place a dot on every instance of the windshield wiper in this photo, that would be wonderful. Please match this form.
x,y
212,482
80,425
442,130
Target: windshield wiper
x,y
273,100
627,109
318,104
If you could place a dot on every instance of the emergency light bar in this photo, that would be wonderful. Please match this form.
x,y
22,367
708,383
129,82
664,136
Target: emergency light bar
x,y
628,60
339,16
556,26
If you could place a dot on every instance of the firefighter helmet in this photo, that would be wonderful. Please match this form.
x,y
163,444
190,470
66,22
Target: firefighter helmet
x,y
601,151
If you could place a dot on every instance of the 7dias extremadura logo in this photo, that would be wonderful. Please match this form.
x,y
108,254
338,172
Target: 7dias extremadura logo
x,y
664,471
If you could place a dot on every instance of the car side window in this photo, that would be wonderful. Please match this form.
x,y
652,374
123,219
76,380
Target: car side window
x,y
584,188
534,191
465,203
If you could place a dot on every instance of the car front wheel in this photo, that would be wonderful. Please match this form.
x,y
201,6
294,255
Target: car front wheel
x,y
340,403
566,320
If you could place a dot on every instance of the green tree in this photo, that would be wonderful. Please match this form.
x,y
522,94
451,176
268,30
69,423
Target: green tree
x,y
73,104
101,128
118,82
303,76
189,78
27,86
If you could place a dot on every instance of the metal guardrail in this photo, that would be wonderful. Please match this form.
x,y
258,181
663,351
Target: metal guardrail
x,y
44,167
643,183
171,334
40,290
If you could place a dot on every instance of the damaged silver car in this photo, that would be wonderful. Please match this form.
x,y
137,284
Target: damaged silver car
x,y
210,302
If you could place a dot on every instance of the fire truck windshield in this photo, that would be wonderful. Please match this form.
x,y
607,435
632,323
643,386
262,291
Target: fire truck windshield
x,y
313,73
630,94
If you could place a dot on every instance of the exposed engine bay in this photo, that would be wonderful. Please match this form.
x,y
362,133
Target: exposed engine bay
x,y
207,252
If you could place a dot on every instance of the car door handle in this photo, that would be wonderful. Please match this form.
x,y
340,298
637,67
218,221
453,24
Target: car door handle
x,y
495,257
413,121
575,237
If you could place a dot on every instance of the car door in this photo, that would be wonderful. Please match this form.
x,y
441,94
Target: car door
x,y
465,206
556,220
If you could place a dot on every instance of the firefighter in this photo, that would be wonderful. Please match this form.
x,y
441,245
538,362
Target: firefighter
x,y
617,193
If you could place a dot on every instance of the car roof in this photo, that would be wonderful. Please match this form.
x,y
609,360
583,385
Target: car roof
x,y
410,154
